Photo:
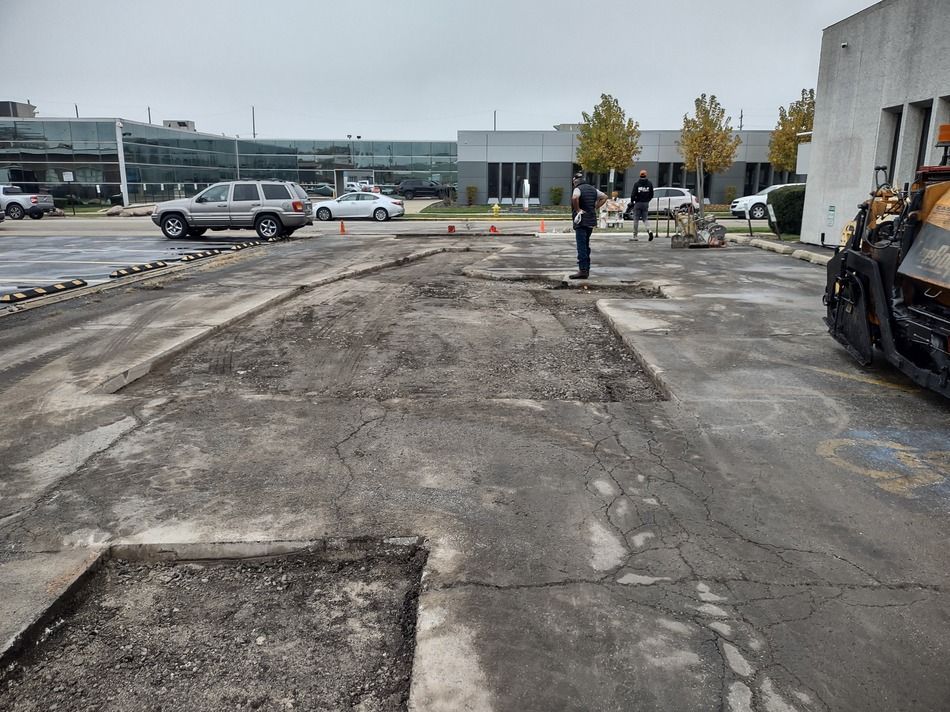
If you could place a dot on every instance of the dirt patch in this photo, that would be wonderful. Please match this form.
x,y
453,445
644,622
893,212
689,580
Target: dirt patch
x,y
302,631
420,331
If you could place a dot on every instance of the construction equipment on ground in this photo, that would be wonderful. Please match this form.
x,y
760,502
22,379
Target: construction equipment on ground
x,y
697,231
889,282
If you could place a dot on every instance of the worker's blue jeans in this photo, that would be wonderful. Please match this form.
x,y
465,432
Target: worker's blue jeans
x,y
582,236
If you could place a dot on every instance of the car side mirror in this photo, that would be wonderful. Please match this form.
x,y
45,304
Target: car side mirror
x,y
202,199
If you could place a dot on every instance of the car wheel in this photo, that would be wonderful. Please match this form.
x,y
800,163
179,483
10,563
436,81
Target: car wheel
x,y
323,214
174,226
409,195
758,212
380,215
268,226
36,215
15,212
197,231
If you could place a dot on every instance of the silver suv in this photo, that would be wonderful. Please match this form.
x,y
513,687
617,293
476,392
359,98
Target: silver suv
x,y
271,207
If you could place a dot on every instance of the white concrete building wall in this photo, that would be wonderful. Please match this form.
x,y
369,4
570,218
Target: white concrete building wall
x,y
890,60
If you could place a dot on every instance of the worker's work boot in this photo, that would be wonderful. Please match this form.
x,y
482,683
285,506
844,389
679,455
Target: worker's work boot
x,y
579,274
651,237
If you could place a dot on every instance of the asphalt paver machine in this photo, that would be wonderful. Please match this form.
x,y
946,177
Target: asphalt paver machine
x,y
888,286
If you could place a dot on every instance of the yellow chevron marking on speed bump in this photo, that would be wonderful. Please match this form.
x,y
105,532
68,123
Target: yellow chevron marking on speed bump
x,y
124,271
40,291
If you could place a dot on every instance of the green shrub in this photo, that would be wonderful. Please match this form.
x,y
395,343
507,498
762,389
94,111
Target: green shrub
x,y
788,204
730,194
556,194
471,194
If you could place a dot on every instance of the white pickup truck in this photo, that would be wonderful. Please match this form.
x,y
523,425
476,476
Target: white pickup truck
x,y
15,203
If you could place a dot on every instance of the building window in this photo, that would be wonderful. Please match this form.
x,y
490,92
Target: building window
x,y
493,172
923,148
897,119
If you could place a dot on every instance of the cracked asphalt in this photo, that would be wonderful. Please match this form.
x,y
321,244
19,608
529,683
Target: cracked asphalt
x,y
770,539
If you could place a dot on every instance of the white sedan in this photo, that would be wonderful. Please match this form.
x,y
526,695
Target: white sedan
x,y
757,204
359,205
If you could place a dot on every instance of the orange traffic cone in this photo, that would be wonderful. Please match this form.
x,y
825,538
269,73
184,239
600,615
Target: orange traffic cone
x,y
542,225
493,230
342,228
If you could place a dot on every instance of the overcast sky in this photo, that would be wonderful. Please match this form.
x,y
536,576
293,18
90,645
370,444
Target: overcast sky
x,y
392,69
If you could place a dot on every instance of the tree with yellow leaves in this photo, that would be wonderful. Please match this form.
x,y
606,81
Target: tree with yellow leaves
x,y
608,139
798,118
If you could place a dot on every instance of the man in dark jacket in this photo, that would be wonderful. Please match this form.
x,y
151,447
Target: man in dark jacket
x,y
640,200
585,201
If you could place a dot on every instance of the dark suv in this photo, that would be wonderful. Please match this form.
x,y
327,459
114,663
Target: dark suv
x,y
415,188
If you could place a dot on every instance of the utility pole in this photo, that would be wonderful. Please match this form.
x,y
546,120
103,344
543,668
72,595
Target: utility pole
x,y
740,119
253,124
150,114
495,120
76,107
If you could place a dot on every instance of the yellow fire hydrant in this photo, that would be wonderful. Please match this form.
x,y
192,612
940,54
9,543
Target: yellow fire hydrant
x,y
496,210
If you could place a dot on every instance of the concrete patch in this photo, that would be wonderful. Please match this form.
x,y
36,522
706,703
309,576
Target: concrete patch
x,y
740,698
608,550
638,580
772,699
738,663
447,676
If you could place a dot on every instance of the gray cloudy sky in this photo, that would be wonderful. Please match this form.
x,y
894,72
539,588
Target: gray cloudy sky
x,y
392,69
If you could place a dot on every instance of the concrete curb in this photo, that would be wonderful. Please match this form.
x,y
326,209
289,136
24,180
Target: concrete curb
x,y
780,248
516,275
120,380
653,370
772,246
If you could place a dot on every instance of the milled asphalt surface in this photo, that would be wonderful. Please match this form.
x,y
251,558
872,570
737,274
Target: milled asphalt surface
x,y
770,538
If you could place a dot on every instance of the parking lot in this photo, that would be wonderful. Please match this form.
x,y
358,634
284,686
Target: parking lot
x,y
43,252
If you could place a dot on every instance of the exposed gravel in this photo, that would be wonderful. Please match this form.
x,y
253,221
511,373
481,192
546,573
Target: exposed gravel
x,y
422,331
298,632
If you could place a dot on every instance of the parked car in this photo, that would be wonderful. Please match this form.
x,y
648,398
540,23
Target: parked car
x,y
359,205
324,190
667,200
273,208
15,203
756,204
416,188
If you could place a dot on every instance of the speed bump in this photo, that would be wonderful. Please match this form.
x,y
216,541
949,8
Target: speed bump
x,y
35,292
137,269
245,245
189,256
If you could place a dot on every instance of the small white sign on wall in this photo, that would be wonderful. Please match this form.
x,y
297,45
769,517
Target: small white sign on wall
x,y
67,176
830,219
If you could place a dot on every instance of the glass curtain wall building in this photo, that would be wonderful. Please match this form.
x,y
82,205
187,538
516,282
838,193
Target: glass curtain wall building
x,y
82,158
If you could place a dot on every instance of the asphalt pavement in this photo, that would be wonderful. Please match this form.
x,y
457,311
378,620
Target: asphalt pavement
x,y
771,536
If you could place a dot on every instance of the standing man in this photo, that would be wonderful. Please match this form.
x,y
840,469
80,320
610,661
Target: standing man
x,y
640,199
585,200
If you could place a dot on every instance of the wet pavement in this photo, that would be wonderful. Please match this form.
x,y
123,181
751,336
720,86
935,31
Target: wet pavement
x,y
769,537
